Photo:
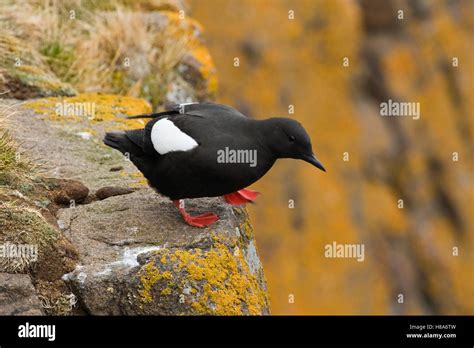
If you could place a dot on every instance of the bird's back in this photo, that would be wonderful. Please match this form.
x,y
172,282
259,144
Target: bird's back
x,y
227,156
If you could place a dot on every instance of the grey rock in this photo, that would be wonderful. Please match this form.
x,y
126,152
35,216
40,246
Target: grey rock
x,y
138,257
110,191
69,190
18,296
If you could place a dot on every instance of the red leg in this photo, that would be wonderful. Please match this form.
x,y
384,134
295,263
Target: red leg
x,y
241,197
202,220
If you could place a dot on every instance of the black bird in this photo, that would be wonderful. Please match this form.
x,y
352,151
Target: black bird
x,y
208,150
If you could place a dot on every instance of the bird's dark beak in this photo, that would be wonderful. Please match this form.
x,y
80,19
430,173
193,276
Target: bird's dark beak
x,y
314,161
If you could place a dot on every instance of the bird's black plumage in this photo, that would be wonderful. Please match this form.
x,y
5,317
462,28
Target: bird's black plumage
x,y
196,172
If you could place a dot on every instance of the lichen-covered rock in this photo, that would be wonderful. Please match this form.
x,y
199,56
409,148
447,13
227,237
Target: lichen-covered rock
x,y
224,279
211,271
138,257
18,296
58,139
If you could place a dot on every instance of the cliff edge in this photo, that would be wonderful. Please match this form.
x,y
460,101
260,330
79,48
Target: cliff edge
x,y
106,243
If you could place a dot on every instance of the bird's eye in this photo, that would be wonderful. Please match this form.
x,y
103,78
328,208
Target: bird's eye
x,y
292,138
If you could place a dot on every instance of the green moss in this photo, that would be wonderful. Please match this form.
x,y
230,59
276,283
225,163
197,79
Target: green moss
x,y
25,188
59,59
152,91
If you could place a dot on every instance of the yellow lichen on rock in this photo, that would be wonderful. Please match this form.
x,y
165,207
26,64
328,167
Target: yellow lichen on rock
x,y
149,276
189,28
207,68
90,110
166,291
107,107
215,281
229,284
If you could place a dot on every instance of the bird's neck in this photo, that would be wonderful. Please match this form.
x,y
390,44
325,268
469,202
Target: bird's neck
x,y
266,132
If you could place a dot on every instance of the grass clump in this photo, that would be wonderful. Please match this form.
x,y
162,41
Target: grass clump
x,y
21,225
15,167
117,47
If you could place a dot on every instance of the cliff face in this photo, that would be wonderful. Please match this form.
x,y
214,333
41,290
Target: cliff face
x,y
420,249
136,260
109,245
106,243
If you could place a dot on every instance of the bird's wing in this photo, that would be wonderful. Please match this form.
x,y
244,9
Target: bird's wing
x,y
136,136
173,133
195,120
147,143
208,109
156,114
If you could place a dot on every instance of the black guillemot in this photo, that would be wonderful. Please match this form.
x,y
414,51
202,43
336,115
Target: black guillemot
x,y
207,150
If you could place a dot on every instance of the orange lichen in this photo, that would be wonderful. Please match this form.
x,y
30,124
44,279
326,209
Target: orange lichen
x,y
188,27
149,276
219,282
107,107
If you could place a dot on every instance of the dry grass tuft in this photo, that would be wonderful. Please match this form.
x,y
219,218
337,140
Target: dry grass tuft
x,y
89,43
22,225
113,40
15,167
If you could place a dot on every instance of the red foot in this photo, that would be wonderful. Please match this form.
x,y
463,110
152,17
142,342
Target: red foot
x,y
202,220
241,197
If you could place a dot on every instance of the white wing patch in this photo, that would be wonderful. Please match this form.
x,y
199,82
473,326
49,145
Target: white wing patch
x,y
166,137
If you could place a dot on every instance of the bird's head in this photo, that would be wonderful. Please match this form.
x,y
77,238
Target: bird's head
x,y
288,139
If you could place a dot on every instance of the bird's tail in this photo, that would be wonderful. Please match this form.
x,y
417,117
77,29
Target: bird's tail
x,y
118,141
122,143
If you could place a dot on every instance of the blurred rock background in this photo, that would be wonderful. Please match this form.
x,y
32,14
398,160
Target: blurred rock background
x,y
69,72
299,62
